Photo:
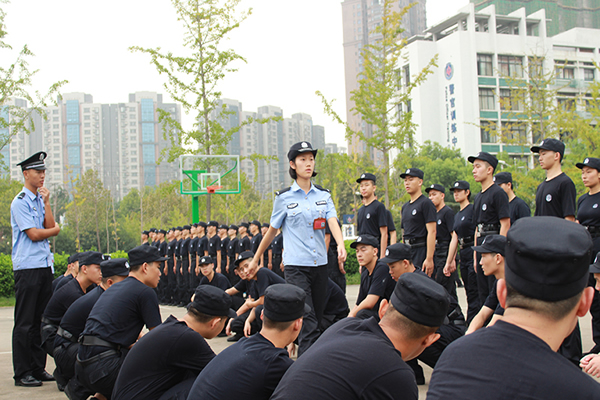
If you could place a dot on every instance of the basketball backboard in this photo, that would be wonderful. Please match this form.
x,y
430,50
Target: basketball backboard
x,y
202,174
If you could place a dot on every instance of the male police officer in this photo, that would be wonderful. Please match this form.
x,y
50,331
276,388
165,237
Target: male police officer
x,y
516,205
32,224
543,294
375,367
117,319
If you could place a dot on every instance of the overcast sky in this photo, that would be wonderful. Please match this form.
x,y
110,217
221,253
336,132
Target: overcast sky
x,y
293,48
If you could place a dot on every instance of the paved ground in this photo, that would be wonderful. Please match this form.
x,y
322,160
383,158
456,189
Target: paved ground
x,y
49,391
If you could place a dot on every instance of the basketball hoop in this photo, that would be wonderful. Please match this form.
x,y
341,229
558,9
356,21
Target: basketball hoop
x,y
213,188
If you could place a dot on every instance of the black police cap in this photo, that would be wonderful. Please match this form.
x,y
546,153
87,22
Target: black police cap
x,y
162,231
421,299
144,254
365,239
153,230
255,222
187,227
145,233
547,258
178,228
202,224
460,185
595,267
367,177
245,225
234,227
114,266
436,186
244,255
299,148
589,162
483,156
223,227
213,223
550,144
211,300
416,172
503,177
206,260
75,257
266,225
492,244
285,302
397,252
90,257
36,161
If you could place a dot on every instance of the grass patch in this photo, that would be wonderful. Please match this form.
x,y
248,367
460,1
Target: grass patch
x,y
7,301
353,279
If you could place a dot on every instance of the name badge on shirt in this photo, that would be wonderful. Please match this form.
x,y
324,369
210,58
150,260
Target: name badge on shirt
x,y
321,203
319,223
293,205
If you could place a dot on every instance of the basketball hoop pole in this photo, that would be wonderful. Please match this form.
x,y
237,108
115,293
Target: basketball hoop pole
x,y
195,201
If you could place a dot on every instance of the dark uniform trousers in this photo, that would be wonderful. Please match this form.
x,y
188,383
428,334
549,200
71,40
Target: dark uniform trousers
x,y
48,334
184,282
65,357
99,372
484,283
233,278
439,261
469,278
333,269
192,282
171,283
33,289
277,264
313,280
237,325
179,391
419,254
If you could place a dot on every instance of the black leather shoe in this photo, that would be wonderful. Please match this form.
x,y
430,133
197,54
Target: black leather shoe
x,y
44,377
28,381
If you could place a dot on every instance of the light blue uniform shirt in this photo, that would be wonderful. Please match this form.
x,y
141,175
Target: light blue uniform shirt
x,y
295,212
27,211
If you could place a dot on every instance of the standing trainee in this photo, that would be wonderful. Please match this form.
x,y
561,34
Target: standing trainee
x,y
32,224
372,216
302,211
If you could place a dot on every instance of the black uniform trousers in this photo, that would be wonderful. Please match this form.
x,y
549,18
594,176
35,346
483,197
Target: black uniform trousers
x,y
192,282
184,282
33,289
419,254
469,278
99,372
178,281
439,262
48,334
333,269
313,280
484,283
237,325
277,258
171,283
65,357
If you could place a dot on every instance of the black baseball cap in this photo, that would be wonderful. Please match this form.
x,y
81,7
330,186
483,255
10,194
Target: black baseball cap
x,y
145,233
550,144
187,227
153,230
213,223
255,222
144,254
503,177
202,224
223,227
366,239
91,257
487,157
436,186
114,266
244,255
421,299
367,177
245,224
162,231
285,302
416,172
589,162
299,148
595,267
460,185
492,244
35,161
397,252
211,300
549,267
234,227
266,225
206,260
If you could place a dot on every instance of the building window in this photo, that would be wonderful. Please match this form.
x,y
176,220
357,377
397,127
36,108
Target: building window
x,y
514,132
588,74
86,117
147,110
86,125
55,126
73,111
72,134
488,132
147,132
484,65
509,102
564,69
511,66
486,99
536,67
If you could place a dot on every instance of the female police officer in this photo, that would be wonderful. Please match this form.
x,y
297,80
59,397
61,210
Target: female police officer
x,y
302,212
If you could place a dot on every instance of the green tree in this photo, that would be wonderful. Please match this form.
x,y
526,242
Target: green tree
x,y
8,190
380,94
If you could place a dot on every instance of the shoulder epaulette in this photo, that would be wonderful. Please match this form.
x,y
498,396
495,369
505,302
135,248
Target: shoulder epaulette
x,y
21,195
322,188
282,191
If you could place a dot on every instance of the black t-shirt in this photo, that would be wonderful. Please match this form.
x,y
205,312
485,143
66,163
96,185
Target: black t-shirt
x,y
178,246
416,215
492,300
61,300
185,248
61,282
219,280
163,248
171,248
160,360
507,362
202,246
256,287
255,242
445,223
224,249
193,246
249,369
379,283
372,370
121,312
335,301
244,244
278,244
588,210
463,222
214,245
371,218
232,248
517,208
74,319
390,221
556,197
491,206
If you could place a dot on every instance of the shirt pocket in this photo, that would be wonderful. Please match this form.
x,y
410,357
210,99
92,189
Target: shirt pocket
x,y
295,217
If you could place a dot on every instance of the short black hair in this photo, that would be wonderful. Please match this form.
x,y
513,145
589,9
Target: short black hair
x,y
278,326
555,310
203,318
295,176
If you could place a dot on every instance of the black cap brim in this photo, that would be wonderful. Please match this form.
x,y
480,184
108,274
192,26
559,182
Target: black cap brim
x,y
389,260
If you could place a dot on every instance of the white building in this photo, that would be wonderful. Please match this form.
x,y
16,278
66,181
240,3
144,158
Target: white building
x,y
476,50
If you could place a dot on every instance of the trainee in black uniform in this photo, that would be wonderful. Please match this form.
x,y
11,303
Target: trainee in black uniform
x,y
371,217
171,275
556,197
415,216
378,283
277,249
333,266
336,306
232,251
391,226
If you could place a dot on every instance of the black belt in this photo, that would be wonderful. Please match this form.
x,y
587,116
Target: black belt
x,y
179,258
88,340
47,321
466,242
413,241
488,229
593,230
442,243
66,334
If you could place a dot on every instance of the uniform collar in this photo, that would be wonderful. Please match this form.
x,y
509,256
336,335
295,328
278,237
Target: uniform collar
x,y
296,187
29,193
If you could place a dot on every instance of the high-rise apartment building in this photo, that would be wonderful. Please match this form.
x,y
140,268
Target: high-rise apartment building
x,y
359,19
561,15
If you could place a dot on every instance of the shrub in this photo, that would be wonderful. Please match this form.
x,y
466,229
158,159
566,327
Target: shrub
x,y
351,265
7,279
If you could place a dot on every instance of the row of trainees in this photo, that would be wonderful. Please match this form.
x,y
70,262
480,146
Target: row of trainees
x,y
541,289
